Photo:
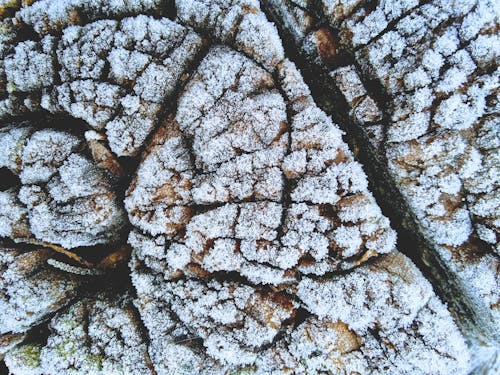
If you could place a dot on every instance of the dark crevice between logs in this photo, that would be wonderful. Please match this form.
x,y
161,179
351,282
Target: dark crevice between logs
x,y
24,32
8,179
288,184
143,331
41,120
168,9
474,324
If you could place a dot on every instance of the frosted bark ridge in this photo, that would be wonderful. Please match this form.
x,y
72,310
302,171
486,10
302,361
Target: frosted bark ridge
x,y
256,244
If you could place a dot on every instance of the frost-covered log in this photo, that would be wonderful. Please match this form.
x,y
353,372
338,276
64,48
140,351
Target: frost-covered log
x,y
30,290
97,335
257,246
63,198
245,202
420,81
242,183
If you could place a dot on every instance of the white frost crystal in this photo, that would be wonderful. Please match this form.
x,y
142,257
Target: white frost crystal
x,y
31,66
47,16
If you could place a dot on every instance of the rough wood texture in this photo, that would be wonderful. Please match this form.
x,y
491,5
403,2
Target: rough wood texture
x,y
257,244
